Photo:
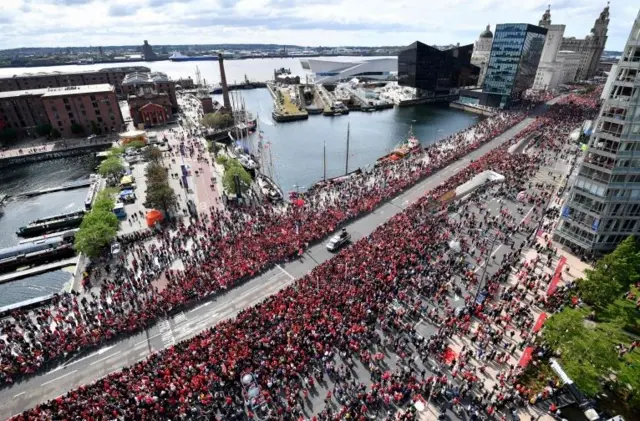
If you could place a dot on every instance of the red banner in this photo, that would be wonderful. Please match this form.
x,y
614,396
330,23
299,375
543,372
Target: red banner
x,y
526,357
556,276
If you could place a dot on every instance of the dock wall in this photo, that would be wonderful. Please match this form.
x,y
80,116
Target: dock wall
x,y
6,161
471,109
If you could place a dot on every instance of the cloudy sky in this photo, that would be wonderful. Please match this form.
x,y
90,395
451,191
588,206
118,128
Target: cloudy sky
x,y
30,23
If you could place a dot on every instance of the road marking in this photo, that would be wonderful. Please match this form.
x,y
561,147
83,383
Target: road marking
x,y
287,273
58,378
19,394
105,358
199,307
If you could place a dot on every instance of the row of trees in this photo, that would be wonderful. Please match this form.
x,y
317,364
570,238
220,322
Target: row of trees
x,y
233,169
99,227
217,121
159,193
590,339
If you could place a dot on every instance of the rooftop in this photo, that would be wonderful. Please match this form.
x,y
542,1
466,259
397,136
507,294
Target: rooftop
x,y
125,69
78,90
144,77
26,92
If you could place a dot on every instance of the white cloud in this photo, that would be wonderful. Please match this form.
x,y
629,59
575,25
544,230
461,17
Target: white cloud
x,y
303,22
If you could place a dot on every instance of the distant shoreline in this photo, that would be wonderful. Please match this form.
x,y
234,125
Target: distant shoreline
x,y
155,61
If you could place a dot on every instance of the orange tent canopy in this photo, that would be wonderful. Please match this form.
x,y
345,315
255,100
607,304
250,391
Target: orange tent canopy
x,y
154,216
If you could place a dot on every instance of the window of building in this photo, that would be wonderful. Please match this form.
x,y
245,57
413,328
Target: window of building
x,y
59,123
93,97
65,100
99,119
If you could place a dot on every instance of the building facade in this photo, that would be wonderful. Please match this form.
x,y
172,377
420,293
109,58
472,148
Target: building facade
x,y
515,55
591,47
549,71
159,82
22,112
93,108
147,52
149,108
482,52
329,72
29,81
436,71
603,206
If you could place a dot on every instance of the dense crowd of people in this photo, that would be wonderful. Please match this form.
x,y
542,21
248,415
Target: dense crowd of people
x,y
225,249
286,340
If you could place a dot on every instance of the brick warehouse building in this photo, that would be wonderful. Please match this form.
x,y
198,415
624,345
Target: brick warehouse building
x,y
89,106
29,81
151,97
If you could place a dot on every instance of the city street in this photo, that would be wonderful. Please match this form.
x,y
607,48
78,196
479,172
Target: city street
x,y
85,369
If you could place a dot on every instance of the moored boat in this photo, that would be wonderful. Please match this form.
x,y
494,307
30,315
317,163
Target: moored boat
x,y
51,223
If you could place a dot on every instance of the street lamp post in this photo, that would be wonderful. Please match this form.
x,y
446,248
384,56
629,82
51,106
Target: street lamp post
x,y
484,270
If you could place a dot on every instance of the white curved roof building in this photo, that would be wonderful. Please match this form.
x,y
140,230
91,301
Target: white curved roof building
x,y
327,71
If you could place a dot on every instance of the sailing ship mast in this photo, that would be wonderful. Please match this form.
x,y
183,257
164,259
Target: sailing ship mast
x,y
324,161
346,164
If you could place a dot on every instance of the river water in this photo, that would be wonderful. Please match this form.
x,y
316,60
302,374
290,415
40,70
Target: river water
x,y
296,150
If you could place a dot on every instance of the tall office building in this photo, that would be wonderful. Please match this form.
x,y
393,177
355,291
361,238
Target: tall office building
x,y
515,54
603,207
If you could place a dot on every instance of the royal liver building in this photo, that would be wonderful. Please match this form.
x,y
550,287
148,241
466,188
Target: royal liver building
x,y
591,47
604,202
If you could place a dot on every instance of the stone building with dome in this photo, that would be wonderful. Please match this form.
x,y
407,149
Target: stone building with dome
x,y
482,52
550,70
591,47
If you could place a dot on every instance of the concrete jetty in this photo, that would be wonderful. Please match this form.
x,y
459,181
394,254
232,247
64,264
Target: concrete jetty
x,y
37,270
70,186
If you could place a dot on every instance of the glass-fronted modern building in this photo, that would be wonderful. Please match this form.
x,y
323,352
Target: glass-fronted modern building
x,y
515,54
603,206
439,71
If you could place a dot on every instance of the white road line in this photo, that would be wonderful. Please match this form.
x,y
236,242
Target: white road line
x,y
19,394
105,358
199,307
287,273
58,378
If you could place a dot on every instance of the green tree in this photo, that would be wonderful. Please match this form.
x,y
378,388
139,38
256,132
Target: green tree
x,y
160,196
116,150
156,173
611,275
111,168
43,129
97,230
217,120
77,129
136,144
233,169
153,154
8,135
586,353
55,134
95,129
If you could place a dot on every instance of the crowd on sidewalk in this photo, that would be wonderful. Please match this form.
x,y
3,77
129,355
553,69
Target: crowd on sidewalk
x,y
341,308
223,250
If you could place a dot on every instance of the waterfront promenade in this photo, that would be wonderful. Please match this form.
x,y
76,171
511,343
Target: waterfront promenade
x,y
87,368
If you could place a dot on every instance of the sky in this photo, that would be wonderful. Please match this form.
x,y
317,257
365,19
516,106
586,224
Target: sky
x,y
45,23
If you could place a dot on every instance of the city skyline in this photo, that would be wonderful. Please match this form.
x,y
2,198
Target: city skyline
x,y
302,22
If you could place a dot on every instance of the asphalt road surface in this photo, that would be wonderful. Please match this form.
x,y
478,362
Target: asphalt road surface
x,y
86,369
